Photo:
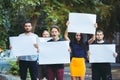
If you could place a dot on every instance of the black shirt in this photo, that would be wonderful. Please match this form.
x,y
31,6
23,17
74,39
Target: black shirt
x,y
56,66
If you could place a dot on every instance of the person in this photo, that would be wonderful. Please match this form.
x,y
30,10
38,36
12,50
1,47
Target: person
x,y
28,62
45,33
78,50
55,70
101,70
42,68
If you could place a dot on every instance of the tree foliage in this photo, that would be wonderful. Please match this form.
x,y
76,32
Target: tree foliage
x,y
45,13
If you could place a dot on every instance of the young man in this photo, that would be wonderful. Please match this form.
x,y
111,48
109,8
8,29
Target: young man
x,y
28,62
101,70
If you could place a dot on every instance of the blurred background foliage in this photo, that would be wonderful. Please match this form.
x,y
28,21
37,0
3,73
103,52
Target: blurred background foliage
x,y
45,13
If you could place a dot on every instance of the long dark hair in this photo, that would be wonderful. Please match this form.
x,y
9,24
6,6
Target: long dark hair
x,y
81,42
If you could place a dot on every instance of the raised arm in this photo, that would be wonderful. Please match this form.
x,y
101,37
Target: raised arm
x,y
66,32
92,39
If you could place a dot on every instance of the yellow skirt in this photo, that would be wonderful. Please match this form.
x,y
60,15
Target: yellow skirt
x,y
77,67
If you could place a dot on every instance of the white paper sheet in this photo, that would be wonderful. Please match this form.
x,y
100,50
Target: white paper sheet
x,y
82,23
22,46
54,52
102,53
41,39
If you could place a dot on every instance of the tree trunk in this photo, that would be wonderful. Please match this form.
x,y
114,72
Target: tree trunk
x,y
35,17
34,21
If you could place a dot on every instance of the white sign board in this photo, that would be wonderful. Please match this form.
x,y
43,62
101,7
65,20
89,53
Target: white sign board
x,y
41,39
54,52
102,53
22,46
82,23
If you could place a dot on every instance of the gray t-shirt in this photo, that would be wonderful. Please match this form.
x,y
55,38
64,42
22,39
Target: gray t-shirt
x,y
31,57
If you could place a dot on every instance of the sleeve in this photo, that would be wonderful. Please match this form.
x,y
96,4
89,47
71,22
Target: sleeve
x,y
37,39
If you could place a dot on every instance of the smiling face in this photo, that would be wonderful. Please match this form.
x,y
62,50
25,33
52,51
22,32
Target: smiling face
x,y
45,34
28,27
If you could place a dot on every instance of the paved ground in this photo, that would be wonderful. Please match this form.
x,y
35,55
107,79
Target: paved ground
x,y
115,73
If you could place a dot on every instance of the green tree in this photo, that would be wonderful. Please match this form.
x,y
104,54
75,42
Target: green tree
x,y
45,13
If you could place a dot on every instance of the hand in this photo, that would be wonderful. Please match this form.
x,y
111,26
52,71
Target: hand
x,y
38,50
88,55
67,23
10,47
115,54
95,25
69,50
36,46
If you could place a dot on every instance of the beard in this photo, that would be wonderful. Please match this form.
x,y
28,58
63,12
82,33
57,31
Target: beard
x,y
27,31
99,39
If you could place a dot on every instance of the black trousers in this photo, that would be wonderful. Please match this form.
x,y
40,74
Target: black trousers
x,y
24,66
101,71
42,72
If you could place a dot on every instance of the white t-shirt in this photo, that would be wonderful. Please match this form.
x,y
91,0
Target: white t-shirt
x,y
31,57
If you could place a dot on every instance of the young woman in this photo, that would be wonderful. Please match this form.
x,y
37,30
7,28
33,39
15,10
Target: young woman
x,y
78,49
55,70
42,68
